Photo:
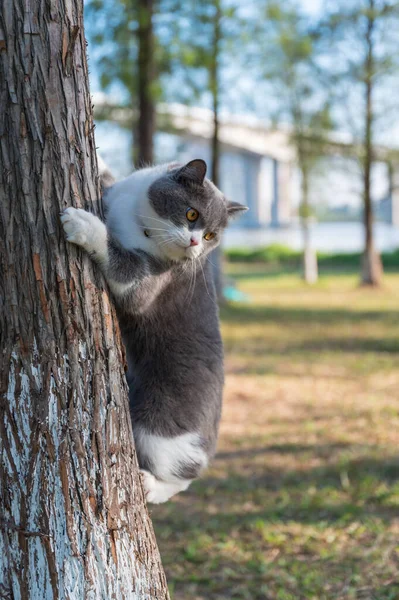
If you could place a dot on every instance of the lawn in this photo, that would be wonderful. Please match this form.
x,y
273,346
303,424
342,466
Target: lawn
x,y
302,499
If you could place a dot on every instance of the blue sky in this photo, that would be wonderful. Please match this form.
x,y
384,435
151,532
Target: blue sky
x,y
313,7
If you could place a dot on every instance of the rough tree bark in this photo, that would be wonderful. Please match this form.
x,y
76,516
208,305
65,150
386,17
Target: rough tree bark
x,y
145,126
73,522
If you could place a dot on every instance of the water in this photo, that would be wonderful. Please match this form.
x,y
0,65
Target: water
x,y
326,237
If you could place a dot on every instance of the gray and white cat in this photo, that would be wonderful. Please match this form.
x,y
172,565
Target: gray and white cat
x,y
161,224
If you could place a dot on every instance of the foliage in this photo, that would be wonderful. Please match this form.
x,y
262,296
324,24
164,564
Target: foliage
x,y
205,35
279,255
112,29
341,38
274,254
292,69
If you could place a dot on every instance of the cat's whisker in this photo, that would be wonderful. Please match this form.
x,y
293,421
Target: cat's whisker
x,y
194,271
184,269
166,242
169,237
154,228
206,285
152,218
191,277
209,260
195,282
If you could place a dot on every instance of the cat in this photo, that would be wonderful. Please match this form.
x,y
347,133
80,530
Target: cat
x,y
161,224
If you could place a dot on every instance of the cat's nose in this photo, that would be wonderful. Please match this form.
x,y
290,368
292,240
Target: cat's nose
x,y
193,242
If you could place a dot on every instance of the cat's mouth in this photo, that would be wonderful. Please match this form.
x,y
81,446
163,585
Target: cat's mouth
x,y
189,249
188,252
192,251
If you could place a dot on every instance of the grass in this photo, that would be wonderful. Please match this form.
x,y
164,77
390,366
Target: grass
x,y
302,500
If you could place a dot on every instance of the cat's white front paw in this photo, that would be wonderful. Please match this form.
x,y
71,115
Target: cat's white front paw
x,y
85,230
77,225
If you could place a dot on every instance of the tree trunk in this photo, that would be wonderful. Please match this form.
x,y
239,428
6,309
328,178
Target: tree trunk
x,y
217,254
73,522
371,262
310,268
145,127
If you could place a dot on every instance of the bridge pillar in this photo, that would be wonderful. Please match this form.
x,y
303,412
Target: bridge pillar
x,y
282,193
265,190
394,194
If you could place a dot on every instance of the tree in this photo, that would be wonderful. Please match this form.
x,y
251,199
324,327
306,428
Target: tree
x,y
128,55
365,47
145,124
73,521
214,86
290,67
203,36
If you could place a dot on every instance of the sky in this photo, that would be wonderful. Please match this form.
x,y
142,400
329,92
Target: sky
x,y
313,7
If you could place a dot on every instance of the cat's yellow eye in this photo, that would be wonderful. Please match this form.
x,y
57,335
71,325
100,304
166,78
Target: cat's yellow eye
x,y
209,236
192,214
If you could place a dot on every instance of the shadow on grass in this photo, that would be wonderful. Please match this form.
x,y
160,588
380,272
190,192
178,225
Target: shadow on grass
x,y
317,449
307,496
243,314
344,344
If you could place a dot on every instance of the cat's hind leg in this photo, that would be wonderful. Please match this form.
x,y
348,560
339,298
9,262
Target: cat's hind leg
x,y
168,464
157,491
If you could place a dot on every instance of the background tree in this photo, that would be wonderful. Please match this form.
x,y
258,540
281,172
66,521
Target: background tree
x,y
130,59
73,521
302,103
365,47
214,86
145,124
204,36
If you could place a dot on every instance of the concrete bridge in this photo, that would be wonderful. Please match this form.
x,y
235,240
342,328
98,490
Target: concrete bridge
x,y
258,163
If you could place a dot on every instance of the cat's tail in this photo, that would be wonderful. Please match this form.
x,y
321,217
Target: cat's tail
x,y
106,178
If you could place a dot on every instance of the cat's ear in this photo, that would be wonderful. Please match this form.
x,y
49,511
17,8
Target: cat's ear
x,y
193,171
235,209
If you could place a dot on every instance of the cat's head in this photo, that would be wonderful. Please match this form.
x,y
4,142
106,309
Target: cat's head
x,y
191,212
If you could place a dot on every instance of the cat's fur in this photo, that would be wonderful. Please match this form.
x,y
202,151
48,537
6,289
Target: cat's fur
x,y
165,299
